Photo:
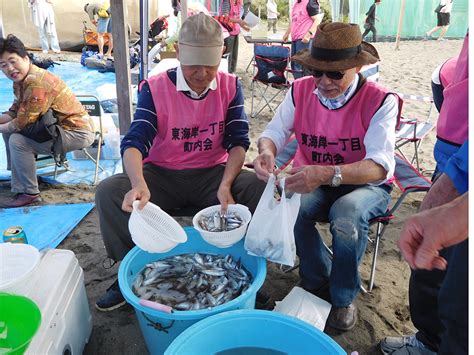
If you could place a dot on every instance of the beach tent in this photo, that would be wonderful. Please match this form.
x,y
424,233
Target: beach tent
x,y
69,20
419,17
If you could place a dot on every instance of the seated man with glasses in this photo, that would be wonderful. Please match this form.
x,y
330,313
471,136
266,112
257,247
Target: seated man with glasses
x,y
345,129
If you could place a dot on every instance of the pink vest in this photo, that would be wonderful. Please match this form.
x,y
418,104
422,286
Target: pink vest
x,y
446,73
331,137
300,20
190,132
452,126
234,13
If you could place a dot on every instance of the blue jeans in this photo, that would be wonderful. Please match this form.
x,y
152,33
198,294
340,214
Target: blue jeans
x,y
296,46
348,209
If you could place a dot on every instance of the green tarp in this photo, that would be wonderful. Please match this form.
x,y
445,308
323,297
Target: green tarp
x,y
419,17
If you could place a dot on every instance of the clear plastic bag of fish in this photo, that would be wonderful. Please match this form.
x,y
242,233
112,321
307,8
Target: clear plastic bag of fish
x,y
270,233
192,281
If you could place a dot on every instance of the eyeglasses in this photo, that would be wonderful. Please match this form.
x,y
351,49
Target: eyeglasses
x,y
334,75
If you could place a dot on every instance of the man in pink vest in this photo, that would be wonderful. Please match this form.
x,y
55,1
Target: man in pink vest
x,y
345,129
438,297
186,145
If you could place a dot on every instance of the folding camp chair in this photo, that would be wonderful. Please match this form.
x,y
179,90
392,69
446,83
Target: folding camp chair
x,y
270,77
92,105
414,130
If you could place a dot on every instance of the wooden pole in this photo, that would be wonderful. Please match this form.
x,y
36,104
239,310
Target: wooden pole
x,y
121,63
400,25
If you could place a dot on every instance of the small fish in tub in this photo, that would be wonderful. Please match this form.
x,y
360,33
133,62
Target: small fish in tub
x,y
192,281
219,223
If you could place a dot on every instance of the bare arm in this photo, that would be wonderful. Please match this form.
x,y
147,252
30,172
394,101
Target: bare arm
x,y
132,161
430,231
312,29
306,178
441,192
288,31
232,169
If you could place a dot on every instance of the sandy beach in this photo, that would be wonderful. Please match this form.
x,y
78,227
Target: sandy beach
x,y
382,312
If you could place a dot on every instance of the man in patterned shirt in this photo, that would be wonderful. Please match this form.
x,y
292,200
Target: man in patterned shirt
x,y
40,97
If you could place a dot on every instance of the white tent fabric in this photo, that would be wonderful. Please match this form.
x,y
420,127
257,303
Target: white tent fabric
x,y
354,11
335,9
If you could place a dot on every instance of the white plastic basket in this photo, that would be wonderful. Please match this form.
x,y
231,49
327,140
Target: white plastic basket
x,y
227,238
17,266
153,230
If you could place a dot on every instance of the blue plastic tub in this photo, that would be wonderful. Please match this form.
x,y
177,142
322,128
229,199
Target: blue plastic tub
x,y
252,332
158,328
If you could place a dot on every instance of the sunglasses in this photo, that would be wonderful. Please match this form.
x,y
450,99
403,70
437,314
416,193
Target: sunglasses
x,y
334,75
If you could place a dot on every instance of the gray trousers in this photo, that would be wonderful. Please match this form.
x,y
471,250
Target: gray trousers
x,y
170,189
21,152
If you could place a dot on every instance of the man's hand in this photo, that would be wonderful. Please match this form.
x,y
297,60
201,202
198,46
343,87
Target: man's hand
x,y
264,164
430,231
224,196
94,22
286,35
139,192
305,179
306,38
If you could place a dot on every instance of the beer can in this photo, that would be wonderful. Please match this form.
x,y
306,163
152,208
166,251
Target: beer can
x,y
14,235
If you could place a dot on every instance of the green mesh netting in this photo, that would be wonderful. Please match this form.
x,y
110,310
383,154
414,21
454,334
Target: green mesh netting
x,y
419,17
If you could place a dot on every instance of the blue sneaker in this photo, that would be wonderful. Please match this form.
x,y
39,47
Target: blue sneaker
x,y
112,299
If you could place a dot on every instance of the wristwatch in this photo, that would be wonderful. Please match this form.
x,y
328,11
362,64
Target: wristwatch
x,y
311,33
337,177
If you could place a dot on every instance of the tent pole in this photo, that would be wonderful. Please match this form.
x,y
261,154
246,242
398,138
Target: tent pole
x,y
144,24
184,10
400,23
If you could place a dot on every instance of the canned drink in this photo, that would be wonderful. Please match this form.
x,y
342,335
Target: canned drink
x,y
14,235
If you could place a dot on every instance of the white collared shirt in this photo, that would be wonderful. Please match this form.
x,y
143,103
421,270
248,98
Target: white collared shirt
x,y
182,85
379,140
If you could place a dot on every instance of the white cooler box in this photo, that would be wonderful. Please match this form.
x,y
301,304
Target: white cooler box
x,y
58,289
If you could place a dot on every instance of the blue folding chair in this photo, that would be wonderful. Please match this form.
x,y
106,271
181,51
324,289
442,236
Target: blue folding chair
x,y
270,78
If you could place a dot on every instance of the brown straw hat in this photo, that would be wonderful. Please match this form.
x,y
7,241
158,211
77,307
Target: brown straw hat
x,y
337,46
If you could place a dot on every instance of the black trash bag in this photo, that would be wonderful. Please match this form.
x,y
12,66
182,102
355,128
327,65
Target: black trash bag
x,y
47,128
44,63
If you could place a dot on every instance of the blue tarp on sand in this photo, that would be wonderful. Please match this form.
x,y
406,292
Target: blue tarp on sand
x,y
45,226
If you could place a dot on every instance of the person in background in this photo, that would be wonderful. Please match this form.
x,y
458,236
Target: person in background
x,y
452,127
443,16
103,24
42,15
42,102
272,15
438,298
344,163
369,24
231,8
440,79
186,145
303,23
246,8
175,20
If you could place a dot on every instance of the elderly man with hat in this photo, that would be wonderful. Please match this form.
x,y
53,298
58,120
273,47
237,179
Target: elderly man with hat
x,y
185,147
345,129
